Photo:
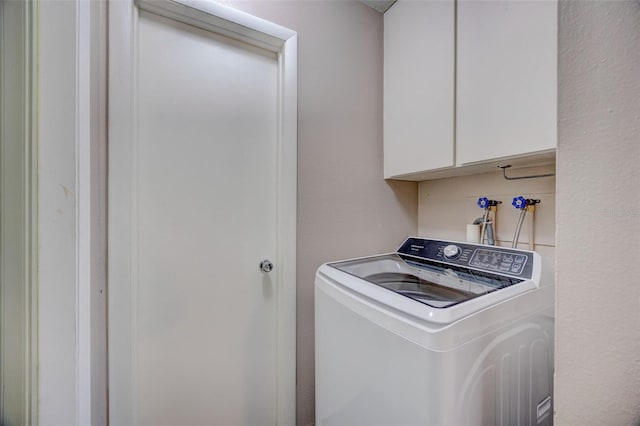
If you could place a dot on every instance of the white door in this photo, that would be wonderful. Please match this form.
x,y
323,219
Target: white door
x,y
193,210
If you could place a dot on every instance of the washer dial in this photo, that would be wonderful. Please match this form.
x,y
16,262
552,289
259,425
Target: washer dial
x,y
452,251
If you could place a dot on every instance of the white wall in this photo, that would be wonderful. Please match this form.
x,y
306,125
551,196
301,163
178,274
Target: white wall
x,y
345,208
447,205
598,293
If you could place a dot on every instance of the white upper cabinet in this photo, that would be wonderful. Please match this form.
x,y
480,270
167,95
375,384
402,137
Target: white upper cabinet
x,y
418,86
468,83
506,94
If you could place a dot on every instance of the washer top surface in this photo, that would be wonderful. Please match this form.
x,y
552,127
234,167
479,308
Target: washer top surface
x,y
452,279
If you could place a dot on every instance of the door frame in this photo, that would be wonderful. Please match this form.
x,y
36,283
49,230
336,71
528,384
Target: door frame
x,y
214,17
18,213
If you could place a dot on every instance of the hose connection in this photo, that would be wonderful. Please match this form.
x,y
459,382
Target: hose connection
x,y
524,205
488,223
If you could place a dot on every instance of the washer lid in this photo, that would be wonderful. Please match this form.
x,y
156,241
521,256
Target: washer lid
x,y
432,283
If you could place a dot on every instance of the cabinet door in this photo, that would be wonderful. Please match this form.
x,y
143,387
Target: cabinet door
x,y
418,86
506,78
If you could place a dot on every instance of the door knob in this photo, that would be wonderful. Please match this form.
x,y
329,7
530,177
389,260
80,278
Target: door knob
x,y
266,266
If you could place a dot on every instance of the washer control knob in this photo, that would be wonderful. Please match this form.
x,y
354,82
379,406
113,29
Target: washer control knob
x,y
452,251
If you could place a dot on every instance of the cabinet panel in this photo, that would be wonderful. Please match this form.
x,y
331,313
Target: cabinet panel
x,y
418,86
506,96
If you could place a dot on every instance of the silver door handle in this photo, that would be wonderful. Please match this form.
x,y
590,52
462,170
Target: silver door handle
x,y
266,266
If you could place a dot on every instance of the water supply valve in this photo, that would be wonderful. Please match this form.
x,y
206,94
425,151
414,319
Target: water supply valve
x,y
520,202
484,203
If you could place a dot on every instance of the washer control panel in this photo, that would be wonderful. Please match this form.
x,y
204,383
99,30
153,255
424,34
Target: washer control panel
x,y
488,258
494,260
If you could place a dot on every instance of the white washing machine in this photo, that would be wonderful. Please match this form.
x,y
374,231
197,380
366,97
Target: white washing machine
x,y
438,333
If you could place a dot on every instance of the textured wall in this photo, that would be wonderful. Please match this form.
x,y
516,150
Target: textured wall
x,y
345,208
598,219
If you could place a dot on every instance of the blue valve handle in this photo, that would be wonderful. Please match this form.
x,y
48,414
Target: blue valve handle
x,y
485,203
520,202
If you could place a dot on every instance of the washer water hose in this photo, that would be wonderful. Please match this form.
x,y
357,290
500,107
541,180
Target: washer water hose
x,y
531,208
488,225
524,205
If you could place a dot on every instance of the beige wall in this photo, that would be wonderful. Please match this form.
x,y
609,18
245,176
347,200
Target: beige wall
x,y
447,205
345,208
598,294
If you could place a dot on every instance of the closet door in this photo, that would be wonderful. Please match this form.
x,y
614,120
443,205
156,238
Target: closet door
x,y
196,172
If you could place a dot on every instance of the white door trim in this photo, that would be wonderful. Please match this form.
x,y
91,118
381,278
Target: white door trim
x,y
71,131
18,214
123,16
